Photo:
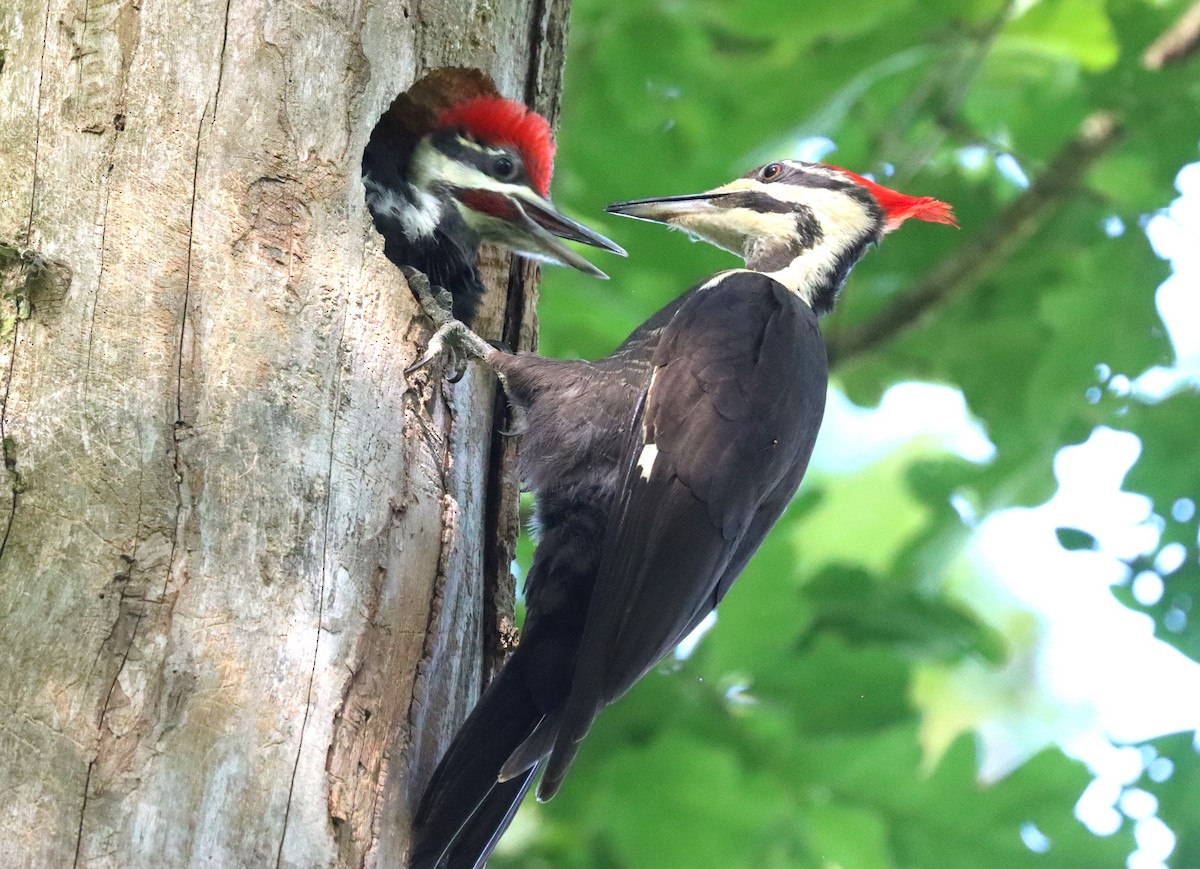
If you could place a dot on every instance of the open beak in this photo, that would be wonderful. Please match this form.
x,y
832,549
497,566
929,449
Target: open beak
x,y
530,224
546,226
669,209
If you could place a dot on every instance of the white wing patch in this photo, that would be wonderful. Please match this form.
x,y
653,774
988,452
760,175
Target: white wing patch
x,y
714,281
645,462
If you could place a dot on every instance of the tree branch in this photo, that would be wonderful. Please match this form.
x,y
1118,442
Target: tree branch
x,y
962,271
1177,43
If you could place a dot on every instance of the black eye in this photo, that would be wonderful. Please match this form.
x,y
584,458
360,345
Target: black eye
x,y
771,171
503,167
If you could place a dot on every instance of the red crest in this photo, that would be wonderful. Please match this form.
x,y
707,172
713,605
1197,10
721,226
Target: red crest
x,y
900,207
499,122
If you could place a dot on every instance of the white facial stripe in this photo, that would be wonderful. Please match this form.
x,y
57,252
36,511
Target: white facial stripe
x,y
842,217
790,193
488,149
434,166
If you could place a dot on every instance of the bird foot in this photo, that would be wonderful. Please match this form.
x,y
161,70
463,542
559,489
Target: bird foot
x,y
452,338
436,302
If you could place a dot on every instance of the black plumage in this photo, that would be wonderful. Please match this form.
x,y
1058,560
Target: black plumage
x,y
728,460
658,472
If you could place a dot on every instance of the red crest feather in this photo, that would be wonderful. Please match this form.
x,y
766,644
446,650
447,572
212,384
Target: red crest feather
x,y
496,121
899,207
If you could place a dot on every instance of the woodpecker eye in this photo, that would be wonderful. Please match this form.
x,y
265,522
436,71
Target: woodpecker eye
x,y
771,171
503,167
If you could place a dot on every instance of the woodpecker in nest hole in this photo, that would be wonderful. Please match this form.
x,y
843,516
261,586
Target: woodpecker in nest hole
x,y
441,183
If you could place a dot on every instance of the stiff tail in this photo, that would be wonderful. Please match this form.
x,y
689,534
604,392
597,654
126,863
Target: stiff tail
x,y
465,808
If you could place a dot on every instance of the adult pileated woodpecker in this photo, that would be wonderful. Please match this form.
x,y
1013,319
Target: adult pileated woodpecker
x,y
658,472
477,172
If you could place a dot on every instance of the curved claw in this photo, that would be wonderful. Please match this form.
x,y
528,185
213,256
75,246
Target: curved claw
x,y
437,347
456,340
458,368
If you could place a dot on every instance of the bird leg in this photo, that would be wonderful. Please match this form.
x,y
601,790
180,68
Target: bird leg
x,y
451,337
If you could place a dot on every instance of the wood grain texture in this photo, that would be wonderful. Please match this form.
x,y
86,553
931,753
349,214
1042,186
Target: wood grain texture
x,y
242,570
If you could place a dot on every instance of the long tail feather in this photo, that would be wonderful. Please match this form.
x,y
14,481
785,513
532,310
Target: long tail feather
x,y
465,807
473,847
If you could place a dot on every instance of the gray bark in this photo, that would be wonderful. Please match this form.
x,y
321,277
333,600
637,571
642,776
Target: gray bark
x,y
248,577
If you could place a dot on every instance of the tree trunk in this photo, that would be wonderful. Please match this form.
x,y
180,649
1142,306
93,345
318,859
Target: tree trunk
x,y
248,577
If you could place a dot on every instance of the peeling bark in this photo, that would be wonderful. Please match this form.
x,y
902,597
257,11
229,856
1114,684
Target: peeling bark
x,y
250,578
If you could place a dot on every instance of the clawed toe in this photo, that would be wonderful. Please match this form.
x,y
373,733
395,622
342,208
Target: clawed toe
x,y
436,302
437,347
452,339
458,345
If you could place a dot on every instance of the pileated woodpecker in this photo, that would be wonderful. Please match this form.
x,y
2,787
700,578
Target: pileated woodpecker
x,y
658,471
477,172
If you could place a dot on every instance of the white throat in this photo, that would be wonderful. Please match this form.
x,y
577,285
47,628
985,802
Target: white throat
x,y
809,272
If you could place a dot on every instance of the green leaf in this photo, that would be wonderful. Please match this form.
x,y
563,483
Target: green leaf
x,y
1074,539
1076,29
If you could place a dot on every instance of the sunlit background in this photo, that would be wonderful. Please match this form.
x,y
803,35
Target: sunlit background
x,y
972,640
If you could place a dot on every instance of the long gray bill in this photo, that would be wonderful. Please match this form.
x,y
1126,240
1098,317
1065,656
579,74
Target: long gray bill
x,y
660,209
545,226
559,224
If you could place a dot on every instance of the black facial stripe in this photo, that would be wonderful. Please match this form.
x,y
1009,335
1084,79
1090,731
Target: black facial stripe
x,y
755,201
808,235
808,228
453,145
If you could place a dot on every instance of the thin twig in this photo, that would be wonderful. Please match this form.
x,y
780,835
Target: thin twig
x,y
1177,43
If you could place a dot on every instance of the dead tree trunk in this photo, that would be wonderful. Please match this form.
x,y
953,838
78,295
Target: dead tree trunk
x,y
247,580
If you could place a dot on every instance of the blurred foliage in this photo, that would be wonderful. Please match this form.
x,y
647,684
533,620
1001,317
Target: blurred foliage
x,y
1173,775
792,737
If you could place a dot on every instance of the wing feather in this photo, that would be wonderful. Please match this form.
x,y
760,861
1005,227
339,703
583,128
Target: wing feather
x,y
731,412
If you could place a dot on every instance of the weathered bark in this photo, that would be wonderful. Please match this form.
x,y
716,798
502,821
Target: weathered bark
x,y
242,590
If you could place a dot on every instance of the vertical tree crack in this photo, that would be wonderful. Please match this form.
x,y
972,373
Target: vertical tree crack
x,y
10,462
187,290
499,493
82,812
177,465
312,674
87,367
37,131
539,23
221,61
